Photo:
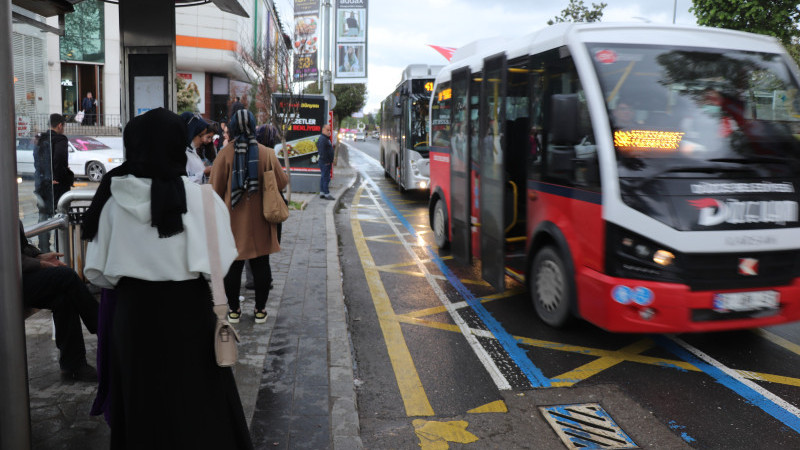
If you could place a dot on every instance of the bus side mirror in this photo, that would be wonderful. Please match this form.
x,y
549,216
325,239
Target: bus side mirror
x,y
398,110
564,119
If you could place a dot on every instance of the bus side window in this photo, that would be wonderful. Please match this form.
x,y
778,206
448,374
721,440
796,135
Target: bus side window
x,y
561,125
440,119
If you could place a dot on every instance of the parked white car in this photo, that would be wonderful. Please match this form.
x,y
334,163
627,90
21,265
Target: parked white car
x,y
89,157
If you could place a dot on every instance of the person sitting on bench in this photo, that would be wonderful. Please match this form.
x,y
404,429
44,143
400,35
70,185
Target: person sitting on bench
x,y
48,283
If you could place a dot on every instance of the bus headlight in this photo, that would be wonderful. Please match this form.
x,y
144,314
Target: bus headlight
x,y
663,257
629,255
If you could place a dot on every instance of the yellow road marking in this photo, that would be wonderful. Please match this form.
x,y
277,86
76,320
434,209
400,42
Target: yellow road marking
x,y
598,365
435,435
622,355
497,406
774,338
438,277
394,241
411,390
429,323
403,272
442,309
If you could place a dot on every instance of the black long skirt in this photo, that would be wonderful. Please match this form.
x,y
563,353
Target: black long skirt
x,y
167,391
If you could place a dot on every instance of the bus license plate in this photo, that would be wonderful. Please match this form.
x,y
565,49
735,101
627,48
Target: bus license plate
x,y
746,301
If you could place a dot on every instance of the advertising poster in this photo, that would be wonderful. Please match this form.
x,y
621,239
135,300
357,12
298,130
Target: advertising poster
x,y
148,93
350,64
305,42
195,89
301,137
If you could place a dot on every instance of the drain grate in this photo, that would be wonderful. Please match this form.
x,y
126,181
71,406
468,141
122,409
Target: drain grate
x,y
586,425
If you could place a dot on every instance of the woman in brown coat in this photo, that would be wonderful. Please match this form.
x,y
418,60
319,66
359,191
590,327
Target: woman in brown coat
x,y
237,177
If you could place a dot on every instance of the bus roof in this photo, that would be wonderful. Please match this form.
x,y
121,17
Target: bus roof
x,y
562,34
416,71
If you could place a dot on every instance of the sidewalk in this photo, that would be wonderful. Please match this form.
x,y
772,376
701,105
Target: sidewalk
x,y
295,374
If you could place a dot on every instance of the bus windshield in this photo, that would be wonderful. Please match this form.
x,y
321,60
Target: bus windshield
x,y
677,112
418,115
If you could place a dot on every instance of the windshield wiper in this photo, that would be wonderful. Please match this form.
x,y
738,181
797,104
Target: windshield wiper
x,y
754,160
706,168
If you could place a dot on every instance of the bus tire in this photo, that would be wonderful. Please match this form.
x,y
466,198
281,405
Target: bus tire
x,y
550,288
440,225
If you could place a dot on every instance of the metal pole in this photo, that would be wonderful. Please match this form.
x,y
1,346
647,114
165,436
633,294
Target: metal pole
x,y
15,419
326,53
674,10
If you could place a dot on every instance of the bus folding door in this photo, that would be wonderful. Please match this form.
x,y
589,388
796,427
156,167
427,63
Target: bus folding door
x,y
493,171
460,168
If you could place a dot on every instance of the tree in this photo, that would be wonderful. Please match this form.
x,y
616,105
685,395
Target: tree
x,y
771,17
576,11
184,97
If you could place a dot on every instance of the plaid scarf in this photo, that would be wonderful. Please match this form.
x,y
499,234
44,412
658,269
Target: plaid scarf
x,y
244,177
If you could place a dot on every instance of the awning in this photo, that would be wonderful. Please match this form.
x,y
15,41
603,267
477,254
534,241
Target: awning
x,y
46,8
50,8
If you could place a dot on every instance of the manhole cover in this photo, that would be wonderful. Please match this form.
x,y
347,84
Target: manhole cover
x,y
586,425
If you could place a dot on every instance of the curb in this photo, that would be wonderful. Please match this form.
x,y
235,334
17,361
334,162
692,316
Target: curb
x,y
345,429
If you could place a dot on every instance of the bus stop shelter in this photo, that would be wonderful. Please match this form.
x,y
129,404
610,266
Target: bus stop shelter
x,y
147,32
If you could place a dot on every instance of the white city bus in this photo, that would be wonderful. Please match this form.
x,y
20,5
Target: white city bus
x,y
643,177
404,132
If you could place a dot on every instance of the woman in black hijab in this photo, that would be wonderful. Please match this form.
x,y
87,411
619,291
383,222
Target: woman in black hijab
x,y
148,242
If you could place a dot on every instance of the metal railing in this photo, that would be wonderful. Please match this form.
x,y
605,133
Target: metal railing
x,y
67,221
103,125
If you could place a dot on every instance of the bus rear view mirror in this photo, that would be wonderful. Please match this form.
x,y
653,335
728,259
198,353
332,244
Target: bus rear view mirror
x,y
564,123
398,109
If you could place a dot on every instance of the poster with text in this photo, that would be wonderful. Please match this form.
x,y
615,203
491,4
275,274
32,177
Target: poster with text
x,y
351,41
304,130
305,42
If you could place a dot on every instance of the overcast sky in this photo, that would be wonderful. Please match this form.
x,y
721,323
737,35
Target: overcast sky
x,y
399,31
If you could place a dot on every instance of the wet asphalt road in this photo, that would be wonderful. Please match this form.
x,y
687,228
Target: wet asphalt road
x,y
423,379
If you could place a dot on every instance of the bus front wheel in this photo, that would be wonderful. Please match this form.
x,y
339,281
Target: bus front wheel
x,y
440,224
550,288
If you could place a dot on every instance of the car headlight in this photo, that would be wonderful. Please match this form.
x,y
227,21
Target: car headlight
x,y
629,255
116,160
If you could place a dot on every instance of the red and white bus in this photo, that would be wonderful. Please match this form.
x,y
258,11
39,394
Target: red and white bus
x,y
642,177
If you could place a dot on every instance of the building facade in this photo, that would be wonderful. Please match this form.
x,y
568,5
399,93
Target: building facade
x,y
54,73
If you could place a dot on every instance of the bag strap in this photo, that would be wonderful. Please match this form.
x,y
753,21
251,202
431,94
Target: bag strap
x,y
212,240
269,161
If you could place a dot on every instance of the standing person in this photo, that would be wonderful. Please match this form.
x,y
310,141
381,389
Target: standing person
x,y
48,283
223,138
147,241
196,130
208,151
89,107
237,176
325,149
266,135
53,176
236,106
352,25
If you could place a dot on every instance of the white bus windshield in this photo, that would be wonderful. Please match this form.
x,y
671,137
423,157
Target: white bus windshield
x,y
694,108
